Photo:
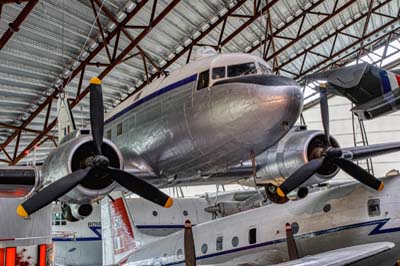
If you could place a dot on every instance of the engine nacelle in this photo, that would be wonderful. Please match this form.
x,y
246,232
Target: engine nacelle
x,y
72,155
293,151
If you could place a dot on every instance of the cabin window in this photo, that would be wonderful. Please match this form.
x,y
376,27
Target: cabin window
x,y
185,213
242,69
179,253
235,241
218,73
108,134
58,219
219,243
155,213
204,79
252,236
374,207
204,248
119,129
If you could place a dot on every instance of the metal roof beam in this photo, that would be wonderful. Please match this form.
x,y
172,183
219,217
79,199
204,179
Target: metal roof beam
x,y
104,73
13,27
66,81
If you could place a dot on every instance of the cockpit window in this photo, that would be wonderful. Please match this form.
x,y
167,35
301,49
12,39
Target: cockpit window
x,y
264,69
204,79
218,73
242,69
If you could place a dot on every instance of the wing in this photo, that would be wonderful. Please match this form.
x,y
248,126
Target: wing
x,y
343,256
17,181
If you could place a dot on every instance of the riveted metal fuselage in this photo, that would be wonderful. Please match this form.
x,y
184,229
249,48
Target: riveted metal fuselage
x,y
181,132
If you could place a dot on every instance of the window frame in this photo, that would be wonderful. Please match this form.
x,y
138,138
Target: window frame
x,y
374,202
235,65
119,129
252,235
207,83
219,243
214,68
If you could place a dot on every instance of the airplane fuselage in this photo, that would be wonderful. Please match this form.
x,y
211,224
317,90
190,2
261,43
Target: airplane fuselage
x,y
186,125
325,220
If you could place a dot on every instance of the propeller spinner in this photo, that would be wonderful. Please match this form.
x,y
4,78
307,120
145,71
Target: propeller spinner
x,y
98,168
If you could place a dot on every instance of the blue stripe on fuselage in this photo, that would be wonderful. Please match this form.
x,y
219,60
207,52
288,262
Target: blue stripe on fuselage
x,y
385,81
153,95
377,230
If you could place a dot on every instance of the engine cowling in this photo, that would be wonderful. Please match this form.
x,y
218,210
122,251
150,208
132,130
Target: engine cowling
x,y
293,151
75,154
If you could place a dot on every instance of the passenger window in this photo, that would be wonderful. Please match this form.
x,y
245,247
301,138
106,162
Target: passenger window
x,y
235,241
241,69
374,207
108,134
204,248
179,253
119,129
204,79
252,236
219,244
218,73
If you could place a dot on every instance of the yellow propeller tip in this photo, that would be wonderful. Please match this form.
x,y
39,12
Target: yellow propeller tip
x,y
169,203
95,80
381,186
21,211
280,192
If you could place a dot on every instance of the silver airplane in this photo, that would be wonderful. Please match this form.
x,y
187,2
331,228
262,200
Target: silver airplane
x,y
327,220
201,124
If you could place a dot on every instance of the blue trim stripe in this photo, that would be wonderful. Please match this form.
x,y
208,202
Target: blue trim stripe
x,y
379,224
153,95
385,81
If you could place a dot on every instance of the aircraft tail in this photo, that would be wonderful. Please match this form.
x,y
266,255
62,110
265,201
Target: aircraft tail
x,y
374,91
65,119
119,232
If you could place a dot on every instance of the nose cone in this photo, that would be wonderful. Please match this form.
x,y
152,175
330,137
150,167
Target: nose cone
x,y
262,108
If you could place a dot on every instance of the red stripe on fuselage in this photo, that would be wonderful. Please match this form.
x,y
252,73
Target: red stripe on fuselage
x,y
398,79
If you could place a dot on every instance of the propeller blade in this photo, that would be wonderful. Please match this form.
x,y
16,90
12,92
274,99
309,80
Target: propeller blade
x,y
190,255
299,176
360,174
140,187
52,192
96,113
323,101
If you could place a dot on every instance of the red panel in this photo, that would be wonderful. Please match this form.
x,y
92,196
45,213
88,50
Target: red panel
x,y
398,79
42,255
11,254
2,253
121,227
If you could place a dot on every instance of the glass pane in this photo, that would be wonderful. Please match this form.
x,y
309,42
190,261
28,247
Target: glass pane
x,y
241,70
204,78
218,73
252,236
219,244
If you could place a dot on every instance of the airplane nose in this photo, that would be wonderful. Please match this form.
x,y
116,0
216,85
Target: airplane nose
x,y
267,106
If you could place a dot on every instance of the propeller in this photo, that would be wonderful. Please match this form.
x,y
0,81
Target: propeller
x,y
188,242
98,168
328,156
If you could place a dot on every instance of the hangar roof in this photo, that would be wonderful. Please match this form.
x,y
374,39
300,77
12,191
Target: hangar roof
x,y
49,46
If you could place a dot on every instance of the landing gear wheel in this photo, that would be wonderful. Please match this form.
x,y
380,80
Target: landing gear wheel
x,y
270,190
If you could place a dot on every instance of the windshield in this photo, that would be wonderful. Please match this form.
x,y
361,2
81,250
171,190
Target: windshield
x,y
242,69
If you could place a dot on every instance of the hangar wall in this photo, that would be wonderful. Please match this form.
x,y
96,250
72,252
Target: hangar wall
x,y
379,130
